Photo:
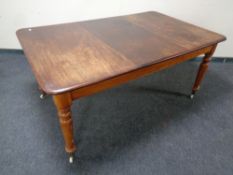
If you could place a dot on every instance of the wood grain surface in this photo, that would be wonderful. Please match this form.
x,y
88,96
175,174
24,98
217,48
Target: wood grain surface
x,y
69,56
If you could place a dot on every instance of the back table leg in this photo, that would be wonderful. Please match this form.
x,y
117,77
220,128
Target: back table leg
x,y
63,103
202,70
42,93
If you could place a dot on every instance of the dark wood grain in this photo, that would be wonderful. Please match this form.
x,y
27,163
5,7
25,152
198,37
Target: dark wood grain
x,y
74,60
112,82
70,56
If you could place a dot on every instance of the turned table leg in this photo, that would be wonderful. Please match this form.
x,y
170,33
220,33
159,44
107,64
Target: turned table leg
x,y
201,71
63,103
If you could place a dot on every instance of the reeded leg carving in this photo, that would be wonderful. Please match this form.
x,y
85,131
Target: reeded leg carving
x,y
63,103
202,70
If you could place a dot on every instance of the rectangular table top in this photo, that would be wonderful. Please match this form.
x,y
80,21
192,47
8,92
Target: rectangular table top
x,y
73,55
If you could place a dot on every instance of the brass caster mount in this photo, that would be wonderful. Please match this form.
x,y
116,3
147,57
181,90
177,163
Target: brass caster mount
x,y
191,96
43,95
71,158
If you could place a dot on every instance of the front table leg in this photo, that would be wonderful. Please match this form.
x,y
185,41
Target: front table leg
x,y
63,103
202,70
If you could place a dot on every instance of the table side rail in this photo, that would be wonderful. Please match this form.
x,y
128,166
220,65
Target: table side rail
x,y
123,78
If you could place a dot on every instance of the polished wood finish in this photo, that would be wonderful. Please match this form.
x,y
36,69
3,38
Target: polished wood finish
x,y
94,88
202,69
63,103
84,53
78,59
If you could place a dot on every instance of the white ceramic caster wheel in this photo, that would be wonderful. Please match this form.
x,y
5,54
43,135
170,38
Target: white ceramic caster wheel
x,y
42,96
191,96
71,159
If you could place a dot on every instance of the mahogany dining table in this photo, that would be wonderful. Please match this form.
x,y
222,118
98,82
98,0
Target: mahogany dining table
x,y
78,59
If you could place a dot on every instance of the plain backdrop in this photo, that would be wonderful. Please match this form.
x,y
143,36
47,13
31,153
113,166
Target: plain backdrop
x,y
211,14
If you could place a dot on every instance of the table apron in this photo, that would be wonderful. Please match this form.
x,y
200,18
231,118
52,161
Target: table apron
x,y
123,78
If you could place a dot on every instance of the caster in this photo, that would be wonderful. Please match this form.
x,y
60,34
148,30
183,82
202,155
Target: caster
x,y
42,96
71,159
191,96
